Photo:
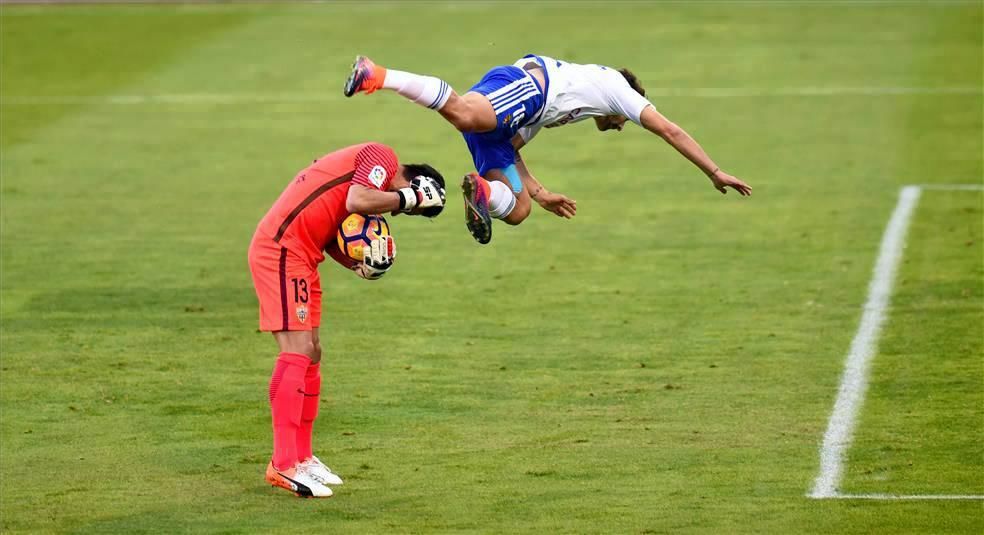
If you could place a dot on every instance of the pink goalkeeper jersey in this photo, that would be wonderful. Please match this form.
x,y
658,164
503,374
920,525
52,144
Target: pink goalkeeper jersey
x,y
306,216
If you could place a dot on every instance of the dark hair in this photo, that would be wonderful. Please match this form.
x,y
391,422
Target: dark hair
x,y
413,170
633,81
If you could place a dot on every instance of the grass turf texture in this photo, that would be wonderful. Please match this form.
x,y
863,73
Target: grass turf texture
x,y
665,362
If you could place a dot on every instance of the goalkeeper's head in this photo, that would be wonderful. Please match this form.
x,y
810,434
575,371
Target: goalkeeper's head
x,y
413,170
415,173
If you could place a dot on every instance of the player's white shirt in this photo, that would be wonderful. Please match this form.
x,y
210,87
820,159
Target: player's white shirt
x,y
576,92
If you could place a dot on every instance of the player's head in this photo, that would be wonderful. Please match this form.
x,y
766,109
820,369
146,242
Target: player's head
x,y
610,122
408,173
617,122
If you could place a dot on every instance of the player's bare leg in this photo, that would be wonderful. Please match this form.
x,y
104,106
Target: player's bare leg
x,y
306,343
471,112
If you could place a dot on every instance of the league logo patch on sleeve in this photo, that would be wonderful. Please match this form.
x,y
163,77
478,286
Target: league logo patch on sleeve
x,y
377,176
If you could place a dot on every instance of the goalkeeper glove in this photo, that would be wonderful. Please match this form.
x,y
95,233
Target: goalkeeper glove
x,y
377,258
424,193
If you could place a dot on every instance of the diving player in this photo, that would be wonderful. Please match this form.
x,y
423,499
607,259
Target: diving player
x,y
508,107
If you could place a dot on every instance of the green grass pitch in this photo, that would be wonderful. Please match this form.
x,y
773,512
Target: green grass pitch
x,y
666,362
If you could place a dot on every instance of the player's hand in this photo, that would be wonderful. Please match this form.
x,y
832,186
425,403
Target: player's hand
x,y
557,203
424,194
377,258
722,181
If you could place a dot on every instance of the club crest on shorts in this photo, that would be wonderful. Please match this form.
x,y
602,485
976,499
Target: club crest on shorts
x,y
377,176
302,313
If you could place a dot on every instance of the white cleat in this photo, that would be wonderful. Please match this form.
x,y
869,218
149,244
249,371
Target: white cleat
x,y
318,471
298,481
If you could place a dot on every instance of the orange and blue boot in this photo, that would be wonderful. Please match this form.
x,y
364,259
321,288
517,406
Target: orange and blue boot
x,y
366,77
477,218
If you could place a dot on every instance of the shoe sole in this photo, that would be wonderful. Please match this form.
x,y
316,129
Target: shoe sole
x,y
353,81
477,219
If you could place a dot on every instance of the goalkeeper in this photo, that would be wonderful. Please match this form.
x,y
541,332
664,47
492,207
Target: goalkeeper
x,y
283,259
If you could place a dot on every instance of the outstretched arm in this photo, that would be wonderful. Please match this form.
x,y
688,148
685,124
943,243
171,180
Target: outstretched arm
x,y
654,121
557,203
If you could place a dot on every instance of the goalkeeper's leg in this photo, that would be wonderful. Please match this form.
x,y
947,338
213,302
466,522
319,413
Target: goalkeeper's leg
x,y
294,392
309,405
286,404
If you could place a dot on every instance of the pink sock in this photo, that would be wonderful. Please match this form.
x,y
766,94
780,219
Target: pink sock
x,y
286,404
312,391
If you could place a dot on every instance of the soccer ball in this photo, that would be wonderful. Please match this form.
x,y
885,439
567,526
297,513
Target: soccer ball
x,y
358,231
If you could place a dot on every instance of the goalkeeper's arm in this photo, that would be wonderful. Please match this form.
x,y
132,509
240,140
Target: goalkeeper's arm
x,y
338,256
363,200
422,194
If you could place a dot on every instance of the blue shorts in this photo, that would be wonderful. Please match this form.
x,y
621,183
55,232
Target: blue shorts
x,y
517,99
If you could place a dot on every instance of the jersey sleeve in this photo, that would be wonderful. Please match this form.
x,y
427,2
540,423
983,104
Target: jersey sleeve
x,y
624,100
375,166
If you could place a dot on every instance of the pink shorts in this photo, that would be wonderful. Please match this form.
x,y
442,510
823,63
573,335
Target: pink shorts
x,y
287,285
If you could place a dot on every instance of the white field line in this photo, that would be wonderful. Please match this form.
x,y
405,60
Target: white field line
x,y
811,91
172,98
908,497
854,381
290,98
484,3
952,187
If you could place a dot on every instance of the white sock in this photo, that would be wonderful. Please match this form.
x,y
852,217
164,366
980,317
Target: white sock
x,y
427,91
501,200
